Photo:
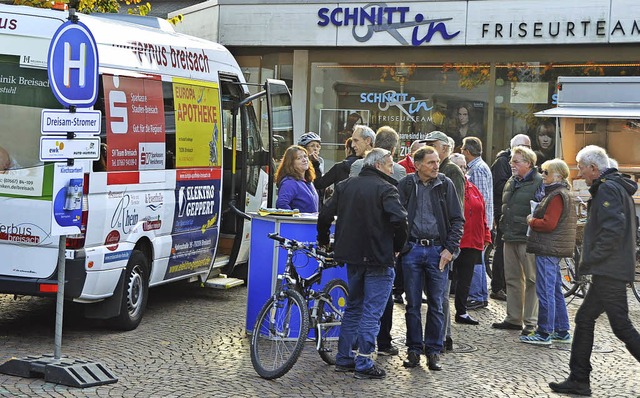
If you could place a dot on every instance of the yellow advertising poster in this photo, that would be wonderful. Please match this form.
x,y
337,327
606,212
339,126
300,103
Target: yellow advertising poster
x,y
198,129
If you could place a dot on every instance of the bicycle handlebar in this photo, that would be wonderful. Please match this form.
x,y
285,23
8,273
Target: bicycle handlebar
x,y
312,250
275,236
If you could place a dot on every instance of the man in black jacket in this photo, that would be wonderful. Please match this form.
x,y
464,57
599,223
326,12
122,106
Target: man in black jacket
x,y
608,254
501,172
371,227
435,224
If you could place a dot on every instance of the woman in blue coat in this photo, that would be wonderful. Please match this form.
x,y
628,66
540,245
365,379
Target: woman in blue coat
x,y
294,179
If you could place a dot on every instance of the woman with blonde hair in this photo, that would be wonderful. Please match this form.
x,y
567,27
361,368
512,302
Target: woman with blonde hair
x,y
552,237
294,179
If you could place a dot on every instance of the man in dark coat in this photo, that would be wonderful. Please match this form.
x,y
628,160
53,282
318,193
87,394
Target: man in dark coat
x,y
371,227
608,254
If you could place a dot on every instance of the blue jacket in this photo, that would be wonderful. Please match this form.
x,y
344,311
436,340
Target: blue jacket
x,y
297,194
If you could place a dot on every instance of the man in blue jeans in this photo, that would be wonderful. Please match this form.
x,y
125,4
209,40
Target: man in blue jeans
x,y
480,175
435,229
608,254
371,227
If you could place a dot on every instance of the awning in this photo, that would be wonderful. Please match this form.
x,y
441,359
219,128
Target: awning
x,y
591,112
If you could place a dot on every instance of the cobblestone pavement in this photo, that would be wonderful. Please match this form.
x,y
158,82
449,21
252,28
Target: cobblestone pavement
x,y
192,343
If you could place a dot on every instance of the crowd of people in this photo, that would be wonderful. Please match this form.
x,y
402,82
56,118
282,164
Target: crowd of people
x,y
419,230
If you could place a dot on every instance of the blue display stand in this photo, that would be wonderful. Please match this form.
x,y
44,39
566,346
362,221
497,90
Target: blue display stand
x,y
267,260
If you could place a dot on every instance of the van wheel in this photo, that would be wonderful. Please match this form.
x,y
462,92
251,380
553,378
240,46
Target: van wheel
x,y
134,294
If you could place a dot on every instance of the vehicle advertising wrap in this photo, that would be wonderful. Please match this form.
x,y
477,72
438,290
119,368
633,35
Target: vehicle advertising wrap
x,y
132,213
134,112
196,222
28,248
197,113
23,92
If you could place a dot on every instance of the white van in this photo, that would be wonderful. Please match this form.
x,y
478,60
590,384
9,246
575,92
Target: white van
x,y
182,157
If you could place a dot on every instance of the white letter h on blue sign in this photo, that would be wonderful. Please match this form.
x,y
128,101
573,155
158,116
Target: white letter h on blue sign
x,y
79,64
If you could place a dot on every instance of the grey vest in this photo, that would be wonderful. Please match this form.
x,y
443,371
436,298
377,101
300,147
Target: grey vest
x,y
560,242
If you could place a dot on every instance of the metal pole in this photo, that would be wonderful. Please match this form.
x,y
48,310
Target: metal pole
x,y
60,298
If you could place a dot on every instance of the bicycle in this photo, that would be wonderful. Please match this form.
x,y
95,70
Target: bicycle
x,y
286,319
635,285
573,284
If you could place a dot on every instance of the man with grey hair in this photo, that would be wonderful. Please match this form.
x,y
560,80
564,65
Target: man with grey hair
x,y
385,138
371,227
501,172
479,175
362,139
524,186
609,255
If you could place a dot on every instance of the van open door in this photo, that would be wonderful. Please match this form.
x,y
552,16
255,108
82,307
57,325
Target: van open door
x,y
280,127
248,181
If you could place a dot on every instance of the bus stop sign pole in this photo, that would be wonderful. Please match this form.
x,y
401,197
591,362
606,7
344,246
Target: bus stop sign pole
x,y
56,369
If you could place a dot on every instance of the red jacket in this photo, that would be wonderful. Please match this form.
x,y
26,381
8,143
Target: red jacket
x,y
407,163
476,231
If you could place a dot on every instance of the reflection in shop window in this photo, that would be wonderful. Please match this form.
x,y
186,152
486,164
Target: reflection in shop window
x,y
414,99
524,88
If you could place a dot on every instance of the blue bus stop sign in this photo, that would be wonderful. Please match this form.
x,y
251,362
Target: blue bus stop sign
x,y
73,65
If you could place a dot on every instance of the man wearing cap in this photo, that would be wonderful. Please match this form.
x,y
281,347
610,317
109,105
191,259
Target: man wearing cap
x,y
435,228
440,141
312,143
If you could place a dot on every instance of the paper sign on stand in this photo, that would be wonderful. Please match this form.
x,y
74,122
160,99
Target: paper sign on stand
x,y
67,199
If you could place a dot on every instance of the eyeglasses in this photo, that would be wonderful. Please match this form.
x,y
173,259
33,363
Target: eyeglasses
x,y
545,172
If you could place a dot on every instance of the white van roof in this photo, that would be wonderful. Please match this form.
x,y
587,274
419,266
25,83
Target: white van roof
x,y
121,44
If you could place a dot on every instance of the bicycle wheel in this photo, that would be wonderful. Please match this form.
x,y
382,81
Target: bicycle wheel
x,y
568,273
329,319
279,334
635,286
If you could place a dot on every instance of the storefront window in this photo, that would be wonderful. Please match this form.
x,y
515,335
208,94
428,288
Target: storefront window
x,y
525,88
456,98
414,99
